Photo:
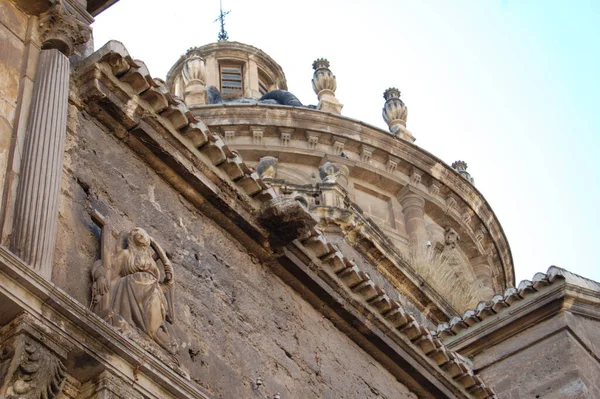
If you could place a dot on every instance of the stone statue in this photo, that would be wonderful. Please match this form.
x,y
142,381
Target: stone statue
x,y
331,172
126,288
267,167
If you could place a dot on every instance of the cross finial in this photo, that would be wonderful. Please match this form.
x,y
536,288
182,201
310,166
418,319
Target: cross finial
x,y
222,34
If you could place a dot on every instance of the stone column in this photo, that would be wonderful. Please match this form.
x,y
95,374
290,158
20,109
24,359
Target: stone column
x,y
483,273
413,208
36,217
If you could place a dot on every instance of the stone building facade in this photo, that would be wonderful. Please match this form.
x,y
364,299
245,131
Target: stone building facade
x,y
209,236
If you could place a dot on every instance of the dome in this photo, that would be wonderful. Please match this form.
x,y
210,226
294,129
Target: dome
x,y
237,70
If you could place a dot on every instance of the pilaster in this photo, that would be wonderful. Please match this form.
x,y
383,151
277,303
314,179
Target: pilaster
x,y
483,272
413,208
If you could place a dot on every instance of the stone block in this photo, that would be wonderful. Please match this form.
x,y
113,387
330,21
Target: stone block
x,y
11,58
13,19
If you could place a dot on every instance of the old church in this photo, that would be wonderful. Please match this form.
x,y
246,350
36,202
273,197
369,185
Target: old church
x,y
208,235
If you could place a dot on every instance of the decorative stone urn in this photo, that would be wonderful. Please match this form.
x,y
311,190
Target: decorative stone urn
x,y
193,75
395,113
324,85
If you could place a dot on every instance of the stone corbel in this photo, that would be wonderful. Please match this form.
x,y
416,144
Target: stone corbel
x,y
392,164
286,135
312,139
31,360
338,146
434,188
61,30
366,153
451,203
415,177
257,134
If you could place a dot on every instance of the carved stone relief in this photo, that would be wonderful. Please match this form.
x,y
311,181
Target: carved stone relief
x,y
451,237
126,288
61,30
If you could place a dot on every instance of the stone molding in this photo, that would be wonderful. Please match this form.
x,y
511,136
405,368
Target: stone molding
x,y
439,177
373,244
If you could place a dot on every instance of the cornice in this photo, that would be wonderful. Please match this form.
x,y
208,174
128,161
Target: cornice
x,y
373,243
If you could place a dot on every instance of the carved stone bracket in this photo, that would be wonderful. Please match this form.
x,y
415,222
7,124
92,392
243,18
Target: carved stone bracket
x,y
30,363
61,30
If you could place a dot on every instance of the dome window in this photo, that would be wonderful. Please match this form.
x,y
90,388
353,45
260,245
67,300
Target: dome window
x,y
264,83
231,80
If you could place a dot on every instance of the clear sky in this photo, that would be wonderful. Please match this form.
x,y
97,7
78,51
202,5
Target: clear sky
x,y
509,86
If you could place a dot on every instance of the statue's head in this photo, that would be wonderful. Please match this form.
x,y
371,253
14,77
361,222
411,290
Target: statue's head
x,y
139,238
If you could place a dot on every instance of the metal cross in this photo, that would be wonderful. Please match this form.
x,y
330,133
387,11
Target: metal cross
x,y
222,34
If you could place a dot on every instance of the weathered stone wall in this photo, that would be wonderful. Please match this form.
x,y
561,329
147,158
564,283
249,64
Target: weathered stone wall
x,y
235,320
19,49
546,361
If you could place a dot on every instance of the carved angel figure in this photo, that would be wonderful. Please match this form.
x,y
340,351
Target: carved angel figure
x,y
127,288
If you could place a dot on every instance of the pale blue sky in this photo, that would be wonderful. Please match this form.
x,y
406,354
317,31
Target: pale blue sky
x,y
511,87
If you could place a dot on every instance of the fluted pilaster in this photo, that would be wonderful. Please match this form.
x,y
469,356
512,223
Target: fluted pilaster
x,y
483,273
36,217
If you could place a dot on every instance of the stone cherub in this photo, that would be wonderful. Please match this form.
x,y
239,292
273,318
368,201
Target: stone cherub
x,y
126,287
